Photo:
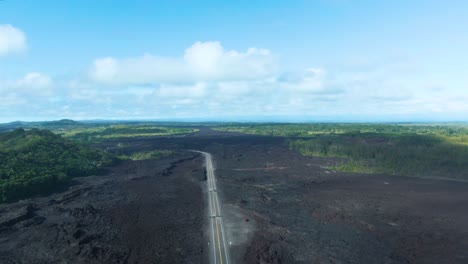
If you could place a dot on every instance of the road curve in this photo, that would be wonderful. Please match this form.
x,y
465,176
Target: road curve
x,y
218,244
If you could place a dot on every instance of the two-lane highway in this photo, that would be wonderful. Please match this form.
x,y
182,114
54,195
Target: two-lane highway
x,y
218,243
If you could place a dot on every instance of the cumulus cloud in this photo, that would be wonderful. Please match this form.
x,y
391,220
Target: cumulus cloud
x,y
182,91
203,61
26,95
311,81
12,40
105,69
34,80
31,87
207,80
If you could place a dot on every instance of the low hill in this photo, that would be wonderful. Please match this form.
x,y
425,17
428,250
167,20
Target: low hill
x,y
57,124
12,125
61,122
37,161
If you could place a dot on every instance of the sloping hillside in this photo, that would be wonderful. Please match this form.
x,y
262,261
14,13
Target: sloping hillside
x,y
37,161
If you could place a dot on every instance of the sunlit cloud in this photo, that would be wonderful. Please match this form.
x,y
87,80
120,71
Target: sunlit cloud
x,y
203,61
12,40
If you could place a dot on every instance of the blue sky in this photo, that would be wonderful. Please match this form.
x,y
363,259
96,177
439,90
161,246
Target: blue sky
x,y
319,60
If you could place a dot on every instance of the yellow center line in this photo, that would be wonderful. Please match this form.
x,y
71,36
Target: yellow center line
x,y
217,229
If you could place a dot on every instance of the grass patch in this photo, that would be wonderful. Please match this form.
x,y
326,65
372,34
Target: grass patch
x,y
95,134
154,154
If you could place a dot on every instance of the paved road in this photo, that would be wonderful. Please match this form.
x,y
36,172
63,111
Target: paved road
x,y
218,243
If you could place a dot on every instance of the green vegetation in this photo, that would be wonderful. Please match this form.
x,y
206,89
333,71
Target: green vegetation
x,y
93,132
51,125
439,150
311,130
108,132
154,154
406,154
38,161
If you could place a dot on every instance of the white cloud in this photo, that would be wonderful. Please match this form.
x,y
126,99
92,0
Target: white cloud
x,y
203,61
11,99
311,81
34,84
207,80
182,91
235,88
34,80
12,40
204,58
91,95
31,87
105,69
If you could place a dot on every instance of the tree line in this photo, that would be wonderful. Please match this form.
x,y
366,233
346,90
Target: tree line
x,y
404,154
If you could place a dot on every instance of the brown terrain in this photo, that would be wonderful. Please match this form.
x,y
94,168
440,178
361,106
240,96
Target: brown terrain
x,y
279,207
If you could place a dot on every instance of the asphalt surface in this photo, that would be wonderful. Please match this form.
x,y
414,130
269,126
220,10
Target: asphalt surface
x,y
219,244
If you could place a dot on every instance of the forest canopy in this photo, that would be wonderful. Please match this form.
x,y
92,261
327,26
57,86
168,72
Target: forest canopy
x,y
37,161
406,154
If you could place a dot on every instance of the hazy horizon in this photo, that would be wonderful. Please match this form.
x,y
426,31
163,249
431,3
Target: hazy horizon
x,y
263,119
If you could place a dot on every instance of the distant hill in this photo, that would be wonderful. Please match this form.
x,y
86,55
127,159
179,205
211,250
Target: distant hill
x,y
63,123
37,161
12,125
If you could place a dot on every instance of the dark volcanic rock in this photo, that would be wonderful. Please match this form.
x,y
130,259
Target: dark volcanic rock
x,y
153,211
95,221
16,215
